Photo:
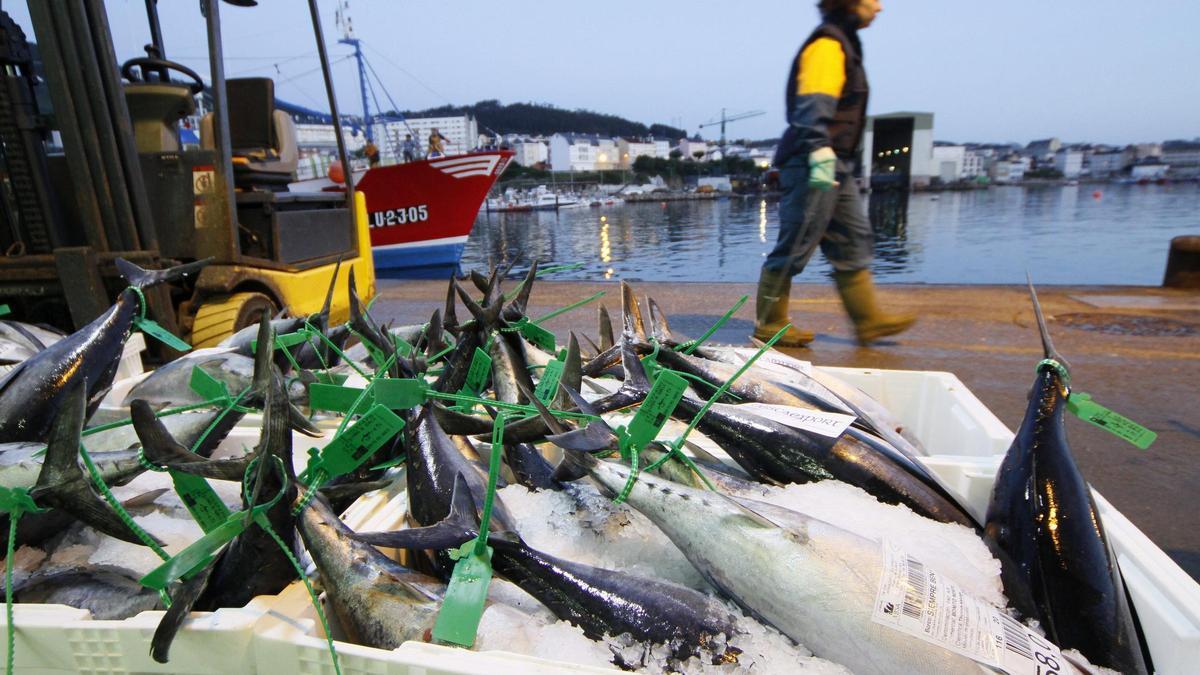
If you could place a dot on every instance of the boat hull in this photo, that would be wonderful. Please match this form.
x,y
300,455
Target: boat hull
x,y
421,213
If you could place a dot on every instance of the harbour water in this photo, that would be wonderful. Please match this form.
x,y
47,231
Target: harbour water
x,y
1078,234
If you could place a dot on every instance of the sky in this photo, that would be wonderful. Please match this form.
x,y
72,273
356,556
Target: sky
x,y
1107,71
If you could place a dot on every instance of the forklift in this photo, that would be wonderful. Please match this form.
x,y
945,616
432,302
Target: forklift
x,y
123,185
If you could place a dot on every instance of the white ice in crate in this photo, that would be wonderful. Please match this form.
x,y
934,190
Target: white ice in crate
x,y
956,551
581,525
503,628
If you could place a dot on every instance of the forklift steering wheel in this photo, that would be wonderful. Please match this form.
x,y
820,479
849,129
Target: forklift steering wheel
x,y
146,63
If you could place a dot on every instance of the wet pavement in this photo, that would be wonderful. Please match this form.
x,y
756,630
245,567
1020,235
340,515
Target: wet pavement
x,y
1135,349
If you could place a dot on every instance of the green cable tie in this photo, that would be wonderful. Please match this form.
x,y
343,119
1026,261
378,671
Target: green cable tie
x,y
312,594
141,458
691,345
15,502
232,405
677,444
1057,367
574,305
151,327
5,310
116,505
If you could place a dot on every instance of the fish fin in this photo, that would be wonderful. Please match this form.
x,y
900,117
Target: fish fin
x,y
594,349
552,424
1047,343
460,525
481,282
263,364
143,278
181,605
631,313
635,372
575,464
450,313
659,327
159,447
745,506
144,499
473,307
324,313
595,436
520,304
62,483
606,329
572,372
435,334
299,422
459,424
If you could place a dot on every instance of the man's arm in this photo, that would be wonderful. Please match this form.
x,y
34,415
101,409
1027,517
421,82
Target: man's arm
x,y
819,82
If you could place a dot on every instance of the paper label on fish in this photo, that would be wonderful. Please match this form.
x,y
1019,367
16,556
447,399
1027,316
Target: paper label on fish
x,y
776,361
919,601
828,424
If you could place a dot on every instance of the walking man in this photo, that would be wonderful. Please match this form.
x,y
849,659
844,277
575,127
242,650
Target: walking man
x,y
818,159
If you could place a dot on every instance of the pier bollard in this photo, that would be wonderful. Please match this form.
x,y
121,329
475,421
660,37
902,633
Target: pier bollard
x,y
1183,263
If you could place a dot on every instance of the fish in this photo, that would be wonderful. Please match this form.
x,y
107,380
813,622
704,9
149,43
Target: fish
x,y
767,449
19,340
600,602
252,564
812,581
31,393
1043,525
62,483
378,602
107,594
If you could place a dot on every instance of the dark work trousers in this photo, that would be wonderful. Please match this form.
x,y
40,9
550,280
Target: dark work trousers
x,y
835,220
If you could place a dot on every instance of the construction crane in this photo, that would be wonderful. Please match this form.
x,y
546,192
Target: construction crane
x,y
731,118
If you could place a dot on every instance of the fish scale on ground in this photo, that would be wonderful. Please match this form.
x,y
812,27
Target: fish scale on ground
x,y
749,578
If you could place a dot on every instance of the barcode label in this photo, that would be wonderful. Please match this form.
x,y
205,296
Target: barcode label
x,y
914,596
1015,639
917,600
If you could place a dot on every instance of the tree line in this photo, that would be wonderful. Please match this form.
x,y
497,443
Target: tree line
x,y
541,118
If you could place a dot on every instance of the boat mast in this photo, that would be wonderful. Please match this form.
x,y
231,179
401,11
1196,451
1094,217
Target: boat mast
x,y
347,28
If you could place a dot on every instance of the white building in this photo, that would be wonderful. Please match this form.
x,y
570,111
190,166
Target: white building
x,y
948,162
1107,163
1010,170
1069,163
321,137
630,149
899,143
662,148
973,165
530,151
689,149
1149,170
460,132
608,156
573,152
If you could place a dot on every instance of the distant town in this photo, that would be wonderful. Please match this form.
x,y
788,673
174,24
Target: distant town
x,y
899,150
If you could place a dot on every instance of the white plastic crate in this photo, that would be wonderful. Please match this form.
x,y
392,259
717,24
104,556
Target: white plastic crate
x,y
281,634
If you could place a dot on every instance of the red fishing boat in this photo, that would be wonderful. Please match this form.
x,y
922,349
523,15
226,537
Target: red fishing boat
x,y
421,212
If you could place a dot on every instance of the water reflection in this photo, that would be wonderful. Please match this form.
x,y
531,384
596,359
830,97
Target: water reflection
x,y
978,236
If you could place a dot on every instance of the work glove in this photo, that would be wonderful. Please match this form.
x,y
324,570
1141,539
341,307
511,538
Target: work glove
x,y
822,164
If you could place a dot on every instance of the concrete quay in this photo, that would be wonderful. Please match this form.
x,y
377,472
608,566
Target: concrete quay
x,y
1135,349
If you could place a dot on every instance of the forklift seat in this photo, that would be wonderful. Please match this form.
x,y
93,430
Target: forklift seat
x,y
263,139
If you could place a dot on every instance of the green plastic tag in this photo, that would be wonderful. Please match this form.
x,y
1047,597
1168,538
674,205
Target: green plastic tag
x,y
149,327
540,337
196,555
338,398
477,374
327,377
200,500
206,385
1082,406
659,404
462,607
354,445
400,393
547,387
17,500
5,310
284,341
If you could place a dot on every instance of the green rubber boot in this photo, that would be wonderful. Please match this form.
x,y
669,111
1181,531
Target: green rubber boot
x,y
771,311
870,323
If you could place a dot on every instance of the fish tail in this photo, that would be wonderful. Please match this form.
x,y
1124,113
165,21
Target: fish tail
x,y
660,329
605,328
143,278
631,312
